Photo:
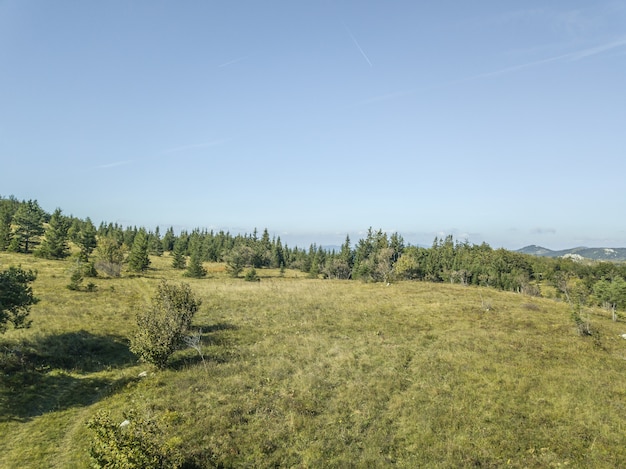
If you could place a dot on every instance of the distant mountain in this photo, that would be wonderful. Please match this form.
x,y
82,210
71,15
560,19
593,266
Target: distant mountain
x,y
596,254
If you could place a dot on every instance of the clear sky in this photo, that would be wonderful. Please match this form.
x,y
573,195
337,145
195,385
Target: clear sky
x,y
493,121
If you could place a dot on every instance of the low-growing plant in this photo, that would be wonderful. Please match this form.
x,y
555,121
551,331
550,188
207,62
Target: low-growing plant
x,y
133,443
251,276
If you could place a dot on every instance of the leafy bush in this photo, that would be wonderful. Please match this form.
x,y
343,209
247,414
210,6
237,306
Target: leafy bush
x,y
164,326
135,442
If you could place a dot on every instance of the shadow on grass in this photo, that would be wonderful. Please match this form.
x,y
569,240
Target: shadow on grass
x,y
213,346
80,351
35,376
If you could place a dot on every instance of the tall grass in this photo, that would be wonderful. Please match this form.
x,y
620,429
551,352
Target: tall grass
x,y
314,373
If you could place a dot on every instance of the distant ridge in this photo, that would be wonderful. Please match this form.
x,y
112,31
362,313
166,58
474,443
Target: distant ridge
x,y
596,254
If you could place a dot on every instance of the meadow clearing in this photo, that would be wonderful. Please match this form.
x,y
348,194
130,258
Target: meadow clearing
x,y
301,372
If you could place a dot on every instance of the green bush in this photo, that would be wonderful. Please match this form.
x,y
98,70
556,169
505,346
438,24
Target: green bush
x,y
164,326
251,276
135,442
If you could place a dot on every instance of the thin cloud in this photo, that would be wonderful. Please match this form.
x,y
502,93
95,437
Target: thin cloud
x,y
231,62
387,97
569,57
114,165
358,46
194,146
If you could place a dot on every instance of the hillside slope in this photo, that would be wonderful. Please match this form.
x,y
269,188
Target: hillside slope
x,y
317,373
598,254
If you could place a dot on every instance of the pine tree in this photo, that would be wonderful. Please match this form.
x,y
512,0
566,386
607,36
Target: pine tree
x,y
138,260
55,242
28,221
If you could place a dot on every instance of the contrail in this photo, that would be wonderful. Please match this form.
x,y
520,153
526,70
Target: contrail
x,y
194,146
571,57
113,165
356,43
230,62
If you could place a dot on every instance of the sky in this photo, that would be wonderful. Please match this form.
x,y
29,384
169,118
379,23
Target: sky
x,y
492,121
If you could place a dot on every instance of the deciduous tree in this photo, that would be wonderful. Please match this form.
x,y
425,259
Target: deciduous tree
x,y
163,327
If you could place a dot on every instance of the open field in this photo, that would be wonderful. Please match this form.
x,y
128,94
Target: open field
x,y
318,373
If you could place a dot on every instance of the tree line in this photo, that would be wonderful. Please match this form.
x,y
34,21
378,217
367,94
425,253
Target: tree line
x,y
378,257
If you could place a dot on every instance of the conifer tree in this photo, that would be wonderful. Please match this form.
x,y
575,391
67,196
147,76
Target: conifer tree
x,y
195,268
16,297
155,244
86,240
138,260
55,242
6,215
168,240
28,221
180,260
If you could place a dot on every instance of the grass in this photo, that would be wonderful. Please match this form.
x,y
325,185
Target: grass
x,y
318,373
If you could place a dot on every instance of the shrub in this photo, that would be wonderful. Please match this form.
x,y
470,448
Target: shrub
x,y
136,442
251,276
164,326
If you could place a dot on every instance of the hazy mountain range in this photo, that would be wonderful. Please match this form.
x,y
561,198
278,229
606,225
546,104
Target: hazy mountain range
x,y
598,254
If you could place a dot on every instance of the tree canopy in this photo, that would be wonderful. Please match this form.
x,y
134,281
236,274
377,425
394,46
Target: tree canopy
x,y
16,297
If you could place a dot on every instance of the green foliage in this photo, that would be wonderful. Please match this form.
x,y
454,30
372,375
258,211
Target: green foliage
x,y
16,297
195,268
168,240
55,242
136,442
155,244
109,256
237,259
301,373
611,294
251,276
28,221
76,278
86,240
8,207
162,327
179,260
138,260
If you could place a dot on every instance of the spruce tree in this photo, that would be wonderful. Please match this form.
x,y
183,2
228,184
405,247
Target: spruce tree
x,y
86,240
155,245
138,259
6,215
55,242
179,255
195,268
168,240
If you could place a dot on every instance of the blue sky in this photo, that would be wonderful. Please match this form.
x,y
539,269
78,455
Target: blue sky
x,y
493,121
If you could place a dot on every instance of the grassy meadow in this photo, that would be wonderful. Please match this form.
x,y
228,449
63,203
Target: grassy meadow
x,y
299,372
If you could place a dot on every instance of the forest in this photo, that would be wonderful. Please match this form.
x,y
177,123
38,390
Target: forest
x,y
109,249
